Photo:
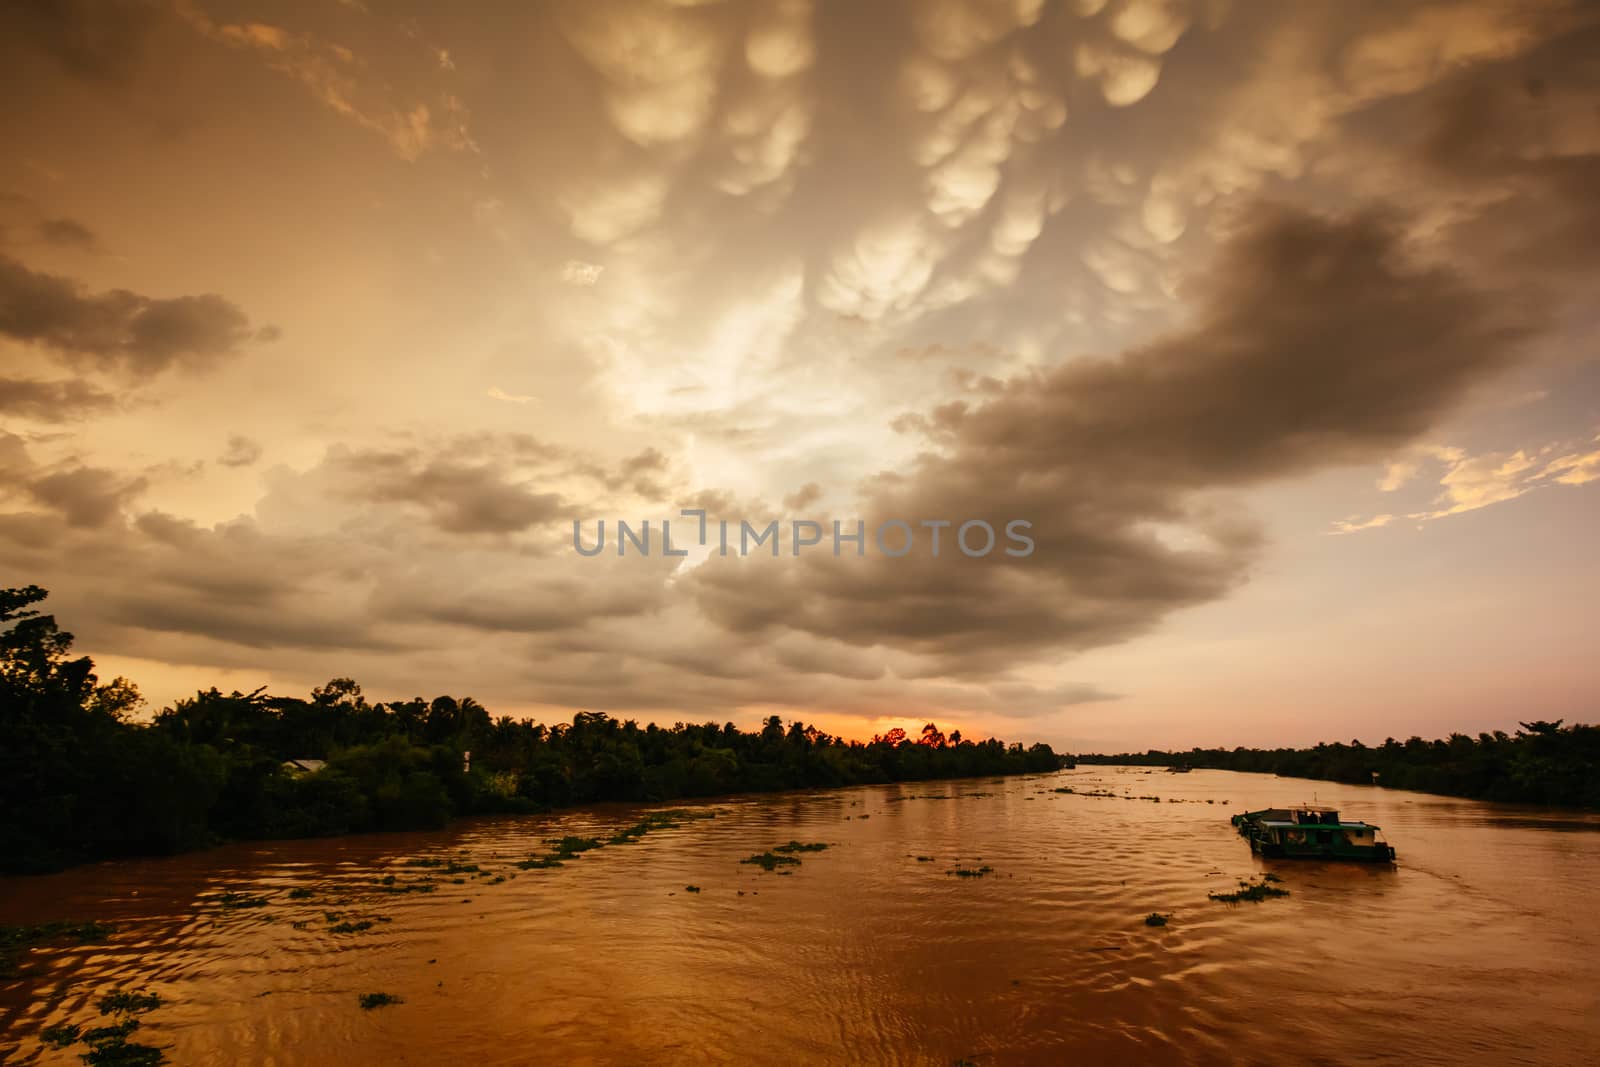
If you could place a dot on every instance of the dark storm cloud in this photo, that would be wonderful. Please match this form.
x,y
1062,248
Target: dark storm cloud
x,y
80,496
167,580
98,40
241,452
1316,342
86,496
803,497
68,233
52,401
217,617
117,328
643,473
1528,128
459,493
516,602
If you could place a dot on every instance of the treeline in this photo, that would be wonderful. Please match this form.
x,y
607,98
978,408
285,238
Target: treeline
x,y
80,780
1541,763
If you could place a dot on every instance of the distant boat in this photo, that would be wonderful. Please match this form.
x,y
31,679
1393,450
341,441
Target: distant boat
x,y
1311,833
1182,768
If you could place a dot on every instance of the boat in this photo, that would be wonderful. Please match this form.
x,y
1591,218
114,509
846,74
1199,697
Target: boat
x,y
1179,768
1308,832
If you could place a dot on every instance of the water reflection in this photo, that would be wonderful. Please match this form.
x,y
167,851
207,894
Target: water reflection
x,y
1477,947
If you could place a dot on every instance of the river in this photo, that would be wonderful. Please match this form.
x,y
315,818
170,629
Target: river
x,y
1480,945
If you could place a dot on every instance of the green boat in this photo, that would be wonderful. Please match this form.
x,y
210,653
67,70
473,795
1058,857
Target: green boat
x,y
1311,833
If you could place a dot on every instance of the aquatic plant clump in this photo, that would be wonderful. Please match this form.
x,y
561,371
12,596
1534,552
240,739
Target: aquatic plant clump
x,y
124,1053
419,886
569,846
231,901
378,1000
797,846
109,1045
770,860
113,1032
562,848
1067,789
668,819
972,872
130,1001
1252,890
60,1035
14,939
1155,918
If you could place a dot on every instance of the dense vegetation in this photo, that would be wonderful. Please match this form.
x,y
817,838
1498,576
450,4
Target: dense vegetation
x,y
1542,763
81,780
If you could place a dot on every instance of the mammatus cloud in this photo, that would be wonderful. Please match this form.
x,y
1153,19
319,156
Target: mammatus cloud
x,y
857,261
117,329
1315,342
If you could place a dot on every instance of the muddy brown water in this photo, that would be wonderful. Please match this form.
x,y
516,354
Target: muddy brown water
x,y
1481,945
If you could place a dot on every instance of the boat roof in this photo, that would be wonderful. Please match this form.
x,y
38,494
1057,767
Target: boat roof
x,y
1279,817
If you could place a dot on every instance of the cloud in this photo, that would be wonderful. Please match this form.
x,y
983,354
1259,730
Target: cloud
x,y
117,329
469,492
803,497
497,393
1494,148
1470,482
53,401
1355,523
338,79
241,452
1315,342
81,496
577,272
67,233
86,496
1007,230
1574,468
97,40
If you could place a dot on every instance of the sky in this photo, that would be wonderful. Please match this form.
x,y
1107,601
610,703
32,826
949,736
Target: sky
x,y
322,325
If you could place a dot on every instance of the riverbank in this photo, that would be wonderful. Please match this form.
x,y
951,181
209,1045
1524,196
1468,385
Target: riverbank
x,y
1540,763
82,779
